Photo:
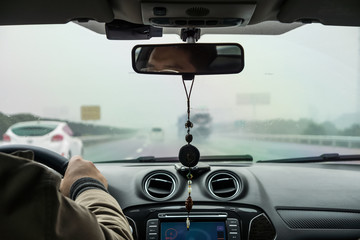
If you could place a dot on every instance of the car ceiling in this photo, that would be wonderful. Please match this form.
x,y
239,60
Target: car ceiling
x,y
260,17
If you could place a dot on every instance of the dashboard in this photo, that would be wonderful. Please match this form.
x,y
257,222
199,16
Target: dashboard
x,y
260,201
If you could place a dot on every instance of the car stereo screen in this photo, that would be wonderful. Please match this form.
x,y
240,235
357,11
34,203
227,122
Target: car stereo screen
x,y
198,230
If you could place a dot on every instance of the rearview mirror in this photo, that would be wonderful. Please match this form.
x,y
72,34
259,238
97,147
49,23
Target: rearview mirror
x,y
188,58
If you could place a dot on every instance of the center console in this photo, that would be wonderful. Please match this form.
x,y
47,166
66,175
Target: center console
x,y
207,222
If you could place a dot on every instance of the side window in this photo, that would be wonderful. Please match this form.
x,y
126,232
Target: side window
x,y
67,129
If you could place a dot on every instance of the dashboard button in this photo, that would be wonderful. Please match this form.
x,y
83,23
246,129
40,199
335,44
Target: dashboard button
x,y
152,229
234,237
232,221
152,237
152,222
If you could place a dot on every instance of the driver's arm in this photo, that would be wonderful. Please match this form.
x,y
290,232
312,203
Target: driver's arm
x,y
32,207
84,183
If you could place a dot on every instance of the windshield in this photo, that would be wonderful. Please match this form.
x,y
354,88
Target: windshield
x,y
298,95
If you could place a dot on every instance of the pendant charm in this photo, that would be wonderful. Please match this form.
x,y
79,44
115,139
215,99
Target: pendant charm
x,y
189,155
187,223
189,185
189,204
188,138
189,124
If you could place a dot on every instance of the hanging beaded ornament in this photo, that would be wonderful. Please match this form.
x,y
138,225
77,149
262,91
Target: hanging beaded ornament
x,y
189,156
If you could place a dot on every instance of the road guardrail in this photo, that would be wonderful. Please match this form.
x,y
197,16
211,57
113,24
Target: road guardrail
x,y
345,141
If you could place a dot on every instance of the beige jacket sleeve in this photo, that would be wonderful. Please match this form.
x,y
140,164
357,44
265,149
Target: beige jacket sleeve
x,y
108,213
32,207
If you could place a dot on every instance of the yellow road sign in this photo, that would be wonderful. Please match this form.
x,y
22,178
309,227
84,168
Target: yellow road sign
x,y
90,112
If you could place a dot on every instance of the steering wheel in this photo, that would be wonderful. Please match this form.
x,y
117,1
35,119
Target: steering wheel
x,y
41,155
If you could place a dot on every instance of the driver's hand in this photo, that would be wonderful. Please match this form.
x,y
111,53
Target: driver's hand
x,y
80,168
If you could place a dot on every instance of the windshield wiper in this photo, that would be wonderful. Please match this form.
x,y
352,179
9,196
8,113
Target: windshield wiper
x,y
222,158
227,158
150,159
326,157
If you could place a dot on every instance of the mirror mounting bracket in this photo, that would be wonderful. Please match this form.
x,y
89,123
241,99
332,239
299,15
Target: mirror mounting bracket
x,y
188,77
190,35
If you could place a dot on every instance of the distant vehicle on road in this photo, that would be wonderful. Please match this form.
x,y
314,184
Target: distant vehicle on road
x,y
157,134
53,135
202,125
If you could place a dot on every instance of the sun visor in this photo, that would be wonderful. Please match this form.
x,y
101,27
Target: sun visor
x,y
327,12
17,12
200,15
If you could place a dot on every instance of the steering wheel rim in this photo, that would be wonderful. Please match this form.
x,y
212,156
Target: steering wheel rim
x,y
41,155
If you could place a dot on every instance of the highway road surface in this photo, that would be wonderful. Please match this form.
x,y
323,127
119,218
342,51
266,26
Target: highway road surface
x,y
144,144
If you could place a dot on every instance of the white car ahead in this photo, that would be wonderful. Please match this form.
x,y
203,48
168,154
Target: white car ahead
x,y
55,136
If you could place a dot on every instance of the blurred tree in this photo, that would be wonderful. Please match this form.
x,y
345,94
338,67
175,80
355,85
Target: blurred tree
x,y
314,129
354,130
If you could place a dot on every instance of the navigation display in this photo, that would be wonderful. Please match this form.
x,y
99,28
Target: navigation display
x,y
198,230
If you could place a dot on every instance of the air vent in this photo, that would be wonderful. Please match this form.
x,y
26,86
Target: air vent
x,y
160,186
261,228
224,185
197,12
